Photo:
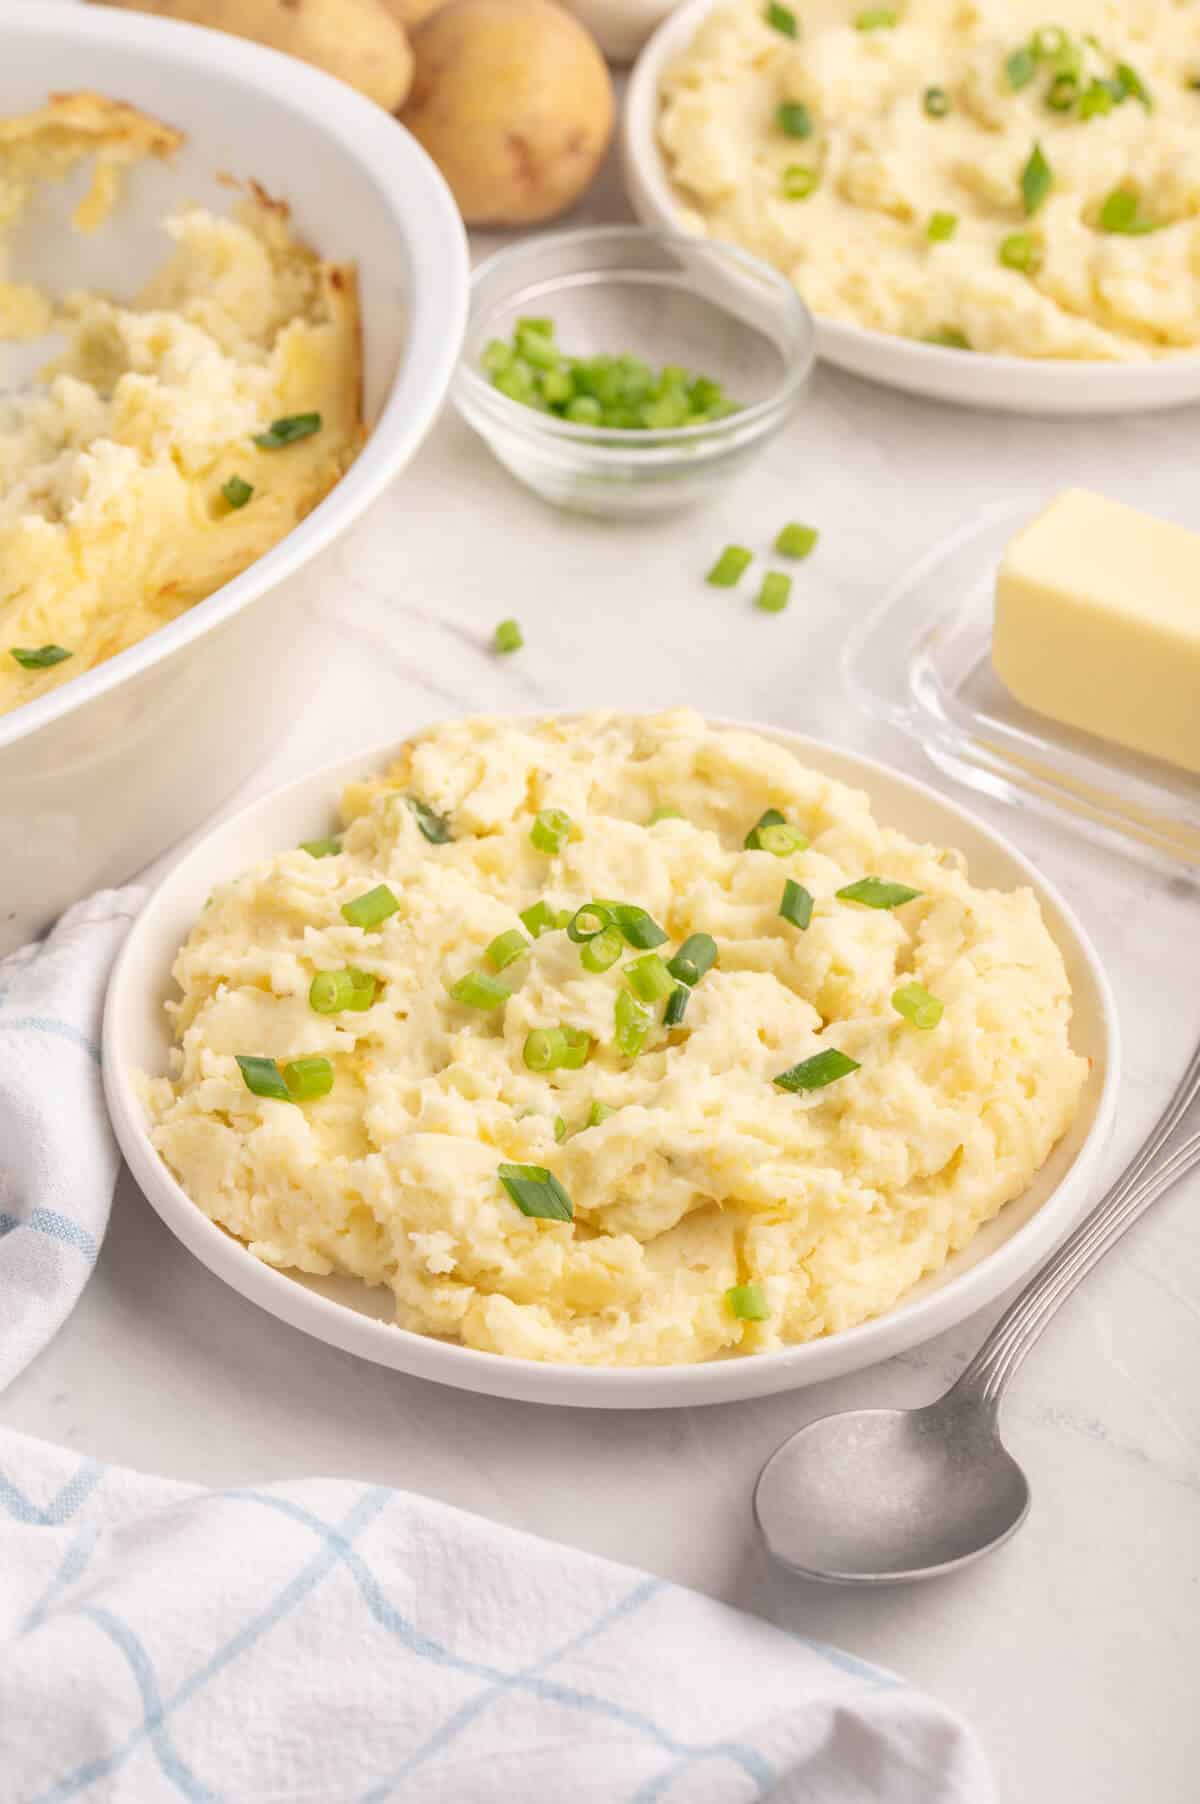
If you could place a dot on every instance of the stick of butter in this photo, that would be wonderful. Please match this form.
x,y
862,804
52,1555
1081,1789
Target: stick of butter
x,y
1098,624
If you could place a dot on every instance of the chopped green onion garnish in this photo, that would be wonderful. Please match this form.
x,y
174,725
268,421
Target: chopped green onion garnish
x,y
1021,67
638,928
435,827
815,1073
748,1302
545,1048
370,909
1037,179
578,1048
666,813
936,102
877,18
536,322
783,19
781,841
479,990
505,948
1049,40
649,978
603,952
508,636
551,831
775,592
307,1079
599,1112
263,1077
286,431
798,181
1133,85
617,393
676,1007
322,848
41,659
797,904
633,1022
536,1191
237,491
697,955
877,892
913,1001
1062,93
771,817
539,918
796,541
588,922
950,337
1097,99
794,118
1121,213
560,1129
333,991
729,567
1020,251
941,227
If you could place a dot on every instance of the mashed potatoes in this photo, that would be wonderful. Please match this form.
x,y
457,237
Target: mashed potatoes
x,y
913,137
115,515
689,1172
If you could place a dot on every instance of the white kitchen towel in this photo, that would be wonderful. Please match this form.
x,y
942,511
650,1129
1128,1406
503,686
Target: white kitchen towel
x,y
321,1642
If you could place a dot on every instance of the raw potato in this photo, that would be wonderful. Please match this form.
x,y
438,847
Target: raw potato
x,y
359,41
512,100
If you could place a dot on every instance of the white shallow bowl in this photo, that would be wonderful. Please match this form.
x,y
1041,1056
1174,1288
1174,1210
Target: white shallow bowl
x,y
1033,385
99,776
349,1315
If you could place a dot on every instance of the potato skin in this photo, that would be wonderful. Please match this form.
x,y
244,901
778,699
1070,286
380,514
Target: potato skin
x,y
513,101
357,40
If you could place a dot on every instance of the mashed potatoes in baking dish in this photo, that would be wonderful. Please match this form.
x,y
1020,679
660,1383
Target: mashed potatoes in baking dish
x,y
544,1046
998,175
178,436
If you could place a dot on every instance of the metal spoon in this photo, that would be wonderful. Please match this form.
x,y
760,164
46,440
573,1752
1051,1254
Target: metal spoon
x,y
886,1496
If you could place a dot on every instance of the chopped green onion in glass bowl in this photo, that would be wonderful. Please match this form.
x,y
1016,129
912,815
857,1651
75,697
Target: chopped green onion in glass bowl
x,y
693,353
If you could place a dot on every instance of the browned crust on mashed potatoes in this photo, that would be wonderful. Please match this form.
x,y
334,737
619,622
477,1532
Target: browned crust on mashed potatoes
x,y
112,465
704,1174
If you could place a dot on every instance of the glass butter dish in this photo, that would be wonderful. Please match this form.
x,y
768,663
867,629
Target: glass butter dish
x,y
923,662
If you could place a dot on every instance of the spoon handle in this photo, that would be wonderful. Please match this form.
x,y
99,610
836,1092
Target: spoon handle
x,y
1144,1180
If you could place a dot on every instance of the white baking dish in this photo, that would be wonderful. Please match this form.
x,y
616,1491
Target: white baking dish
x,y
100,775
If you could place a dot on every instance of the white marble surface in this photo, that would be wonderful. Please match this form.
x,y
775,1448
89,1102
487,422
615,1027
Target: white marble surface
x,y
1075,1649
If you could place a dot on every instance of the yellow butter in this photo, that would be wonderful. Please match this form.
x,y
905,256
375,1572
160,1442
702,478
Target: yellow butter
x,y
1098,624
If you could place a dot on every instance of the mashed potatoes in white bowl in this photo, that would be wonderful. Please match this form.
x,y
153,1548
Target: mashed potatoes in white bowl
x,y
611,1059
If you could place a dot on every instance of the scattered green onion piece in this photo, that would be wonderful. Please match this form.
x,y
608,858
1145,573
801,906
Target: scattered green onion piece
x,y
636,926
798,181
782,18
676,1007
578,1048
598,1113
603,952
781,841
666,813
288,430
370,909
322,848
551,831
936,102
237,491
477,989
775,592
1037,179
796,541
366,986
729,567
633,1023
815,1073
950,337
1062,93
536,1192
307,1079
584,410
40,659
1096,100
649,978
545,1048
539,918
1133,85
508,637
1021,67
588,922
941,227
263,1078
435,827
505,948
797,905
560,1129
913,1001
747,1302
1020,251
696,956
1049,40
331,991
770,817
877,892
1121,213
877,18
794,118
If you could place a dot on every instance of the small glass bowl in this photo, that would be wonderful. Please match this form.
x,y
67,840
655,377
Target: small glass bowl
x,y
666,298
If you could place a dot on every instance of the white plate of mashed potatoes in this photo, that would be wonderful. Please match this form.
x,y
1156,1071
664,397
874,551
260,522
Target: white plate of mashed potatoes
x,y
615,1060
995,204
